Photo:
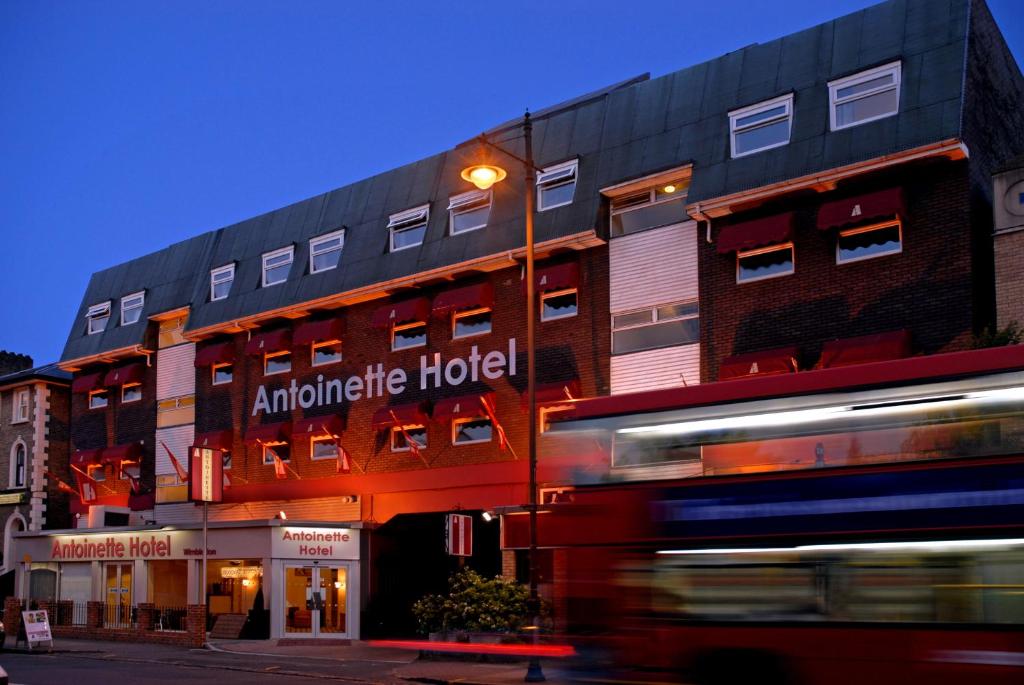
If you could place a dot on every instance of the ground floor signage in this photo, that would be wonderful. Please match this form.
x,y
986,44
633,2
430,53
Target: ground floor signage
x,y
37,627
315,543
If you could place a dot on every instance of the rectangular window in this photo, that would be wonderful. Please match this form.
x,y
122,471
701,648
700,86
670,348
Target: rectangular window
x,y
97,472
131,470
98,399
868,242
469,431
223,373
277,362
470,323
131,308
556,185
651,208
408,228
761,126
409,335
867,96
469,211
131,392
220,282
544,414
325,252
649,329
327,352
768,262
416,433
20,405
558,304
97,317
276,265
323,447
281,449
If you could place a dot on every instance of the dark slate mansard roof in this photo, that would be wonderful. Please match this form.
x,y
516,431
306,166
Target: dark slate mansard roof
x,y
630,130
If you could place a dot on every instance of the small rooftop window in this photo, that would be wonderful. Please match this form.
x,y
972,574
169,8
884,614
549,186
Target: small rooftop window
x,y
408,228
221,279
762,126
277,264
556,185
325,251
469,211
131,307
97,317
867,96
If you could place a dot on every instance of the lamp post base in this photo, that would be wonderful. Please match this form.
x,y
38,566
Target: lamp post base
x,y
534,674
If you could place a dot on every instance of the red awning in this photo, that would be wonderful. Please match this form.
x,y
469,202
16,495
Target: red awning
x,y
462,407
416,309
404,414
763,363
556,277
272,341
222,353
215,440
468,297
332,425
864,349
549,394
131,451
749,235
122,375
85,457
87,383
268,432
319,331
862,208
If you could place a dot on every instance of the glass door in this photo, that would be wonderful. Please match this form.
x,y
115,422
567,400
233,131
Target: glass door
x,y
118,586
315,600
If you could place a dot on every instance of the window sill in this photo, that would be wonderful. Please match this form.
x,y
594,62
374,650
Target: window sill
x,y
545,319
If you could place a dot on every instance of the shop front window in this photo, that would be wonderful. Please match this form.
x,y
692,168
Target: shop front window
x,y
234,586
168,593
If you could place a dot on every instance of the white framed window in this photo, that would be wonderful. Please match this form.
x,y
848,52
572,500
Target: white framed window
x,y
131,392
471,431
416,432
556,185
868,242
665,325
223,374
652,207
19,464
98,472
868,96
325,251
544,413
277,362
98,399
97,317
471,322
131,470
762,126
326,352
277,264
221,279
131,307
323,447
766,262
559,304
469,211
408,228
20,405
408,335
281,449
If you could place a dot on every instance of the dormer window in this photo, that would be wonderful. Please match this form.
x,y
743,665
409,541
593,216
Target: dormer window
x,y
556,185
867,96
97,317
220,282
761,126
325,252
408,228
469,211
131,307
276,265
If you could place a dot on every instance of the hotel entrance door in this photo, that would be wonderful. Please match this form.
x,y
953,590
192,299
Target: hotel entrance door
x,y
118,585
316,600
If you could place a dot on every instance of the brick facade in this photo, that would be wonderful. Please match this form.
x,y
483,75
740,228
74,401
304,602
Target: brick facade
x,y
929,287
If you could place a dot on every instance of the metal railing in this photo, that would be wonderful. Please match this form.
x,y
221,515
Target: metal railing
x,y
119,615
170,618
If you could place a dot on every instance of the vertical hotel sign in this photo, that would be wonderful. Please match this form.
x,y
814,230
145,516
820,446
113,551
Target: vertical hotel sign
x,y
206,475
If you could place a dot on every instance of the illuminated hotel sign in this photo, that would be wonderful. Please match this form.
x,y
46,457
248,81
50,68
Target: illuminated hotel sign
x,y
206,475
122,547
434,371
315,543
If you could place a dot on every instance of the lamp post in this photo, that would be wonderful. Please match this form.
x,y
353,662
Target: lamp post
x,y
483,176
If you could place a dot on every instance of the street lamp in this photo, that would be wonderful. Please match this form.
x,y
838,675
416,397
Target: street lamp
x,y
484,175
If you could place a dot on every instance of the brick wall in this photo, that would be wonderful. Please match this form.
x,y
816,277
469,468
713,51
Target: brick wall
x,y
567,348
928,288
58,434
1009,249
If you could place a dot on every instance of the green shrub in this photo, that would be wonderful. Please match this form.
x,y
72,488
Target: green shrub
x,y
474,604
998,337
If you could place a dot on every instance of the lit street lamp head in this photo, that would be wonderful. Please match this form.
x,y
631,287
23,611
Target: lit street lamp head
x,y
483,176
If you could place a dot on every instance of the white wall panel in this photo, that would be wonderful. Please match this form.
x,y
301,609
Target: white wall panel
x,y
653,267
668,367
175,371
178,439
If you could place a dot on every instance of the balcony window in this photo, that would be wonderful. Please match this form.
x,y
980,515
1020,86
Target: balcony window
x,y
655,327
761,126
867,96
653,207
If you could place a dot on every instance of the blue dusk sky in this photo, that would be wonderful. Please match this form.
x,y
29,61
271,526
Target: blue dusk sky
x,y
127,126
